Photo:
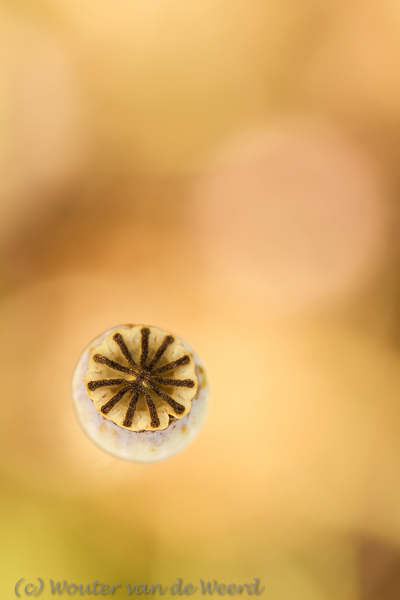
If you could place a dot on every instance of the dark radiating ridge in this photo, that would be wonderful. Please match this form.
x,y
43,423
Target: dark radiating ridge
x,y
124,349
145,345
131,408
189,383
178,408
105,409
166,342
184,360
112,364
155,421
94,385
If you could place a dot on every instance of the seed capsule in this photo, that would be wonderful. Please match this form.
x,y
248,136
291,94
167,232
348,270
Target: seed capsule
x,y
140,393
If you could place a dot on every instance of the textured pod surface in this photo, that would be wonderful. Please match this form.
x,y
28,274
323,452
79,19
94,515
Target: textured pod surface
x,y
129,397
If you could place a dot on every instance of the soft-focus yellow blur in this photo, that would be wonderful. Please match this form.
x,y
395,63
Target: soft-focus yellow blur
x,y
228,170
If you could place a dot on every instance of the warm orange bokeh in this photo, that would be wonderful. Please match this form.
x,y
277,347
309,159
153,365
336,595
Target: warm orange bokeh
x,y
228,170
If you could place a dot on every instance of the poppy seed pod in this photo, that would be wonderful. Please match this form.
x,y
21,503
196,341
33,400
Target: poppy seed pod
x,y
140,393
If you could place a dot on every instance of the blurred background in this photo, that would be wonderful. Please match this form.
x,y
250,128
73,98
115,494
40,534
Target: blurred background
x,y
228,170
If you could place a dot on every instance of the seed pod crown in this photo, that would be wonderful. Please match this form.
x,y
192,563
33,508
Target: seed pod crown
x,y
141,378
